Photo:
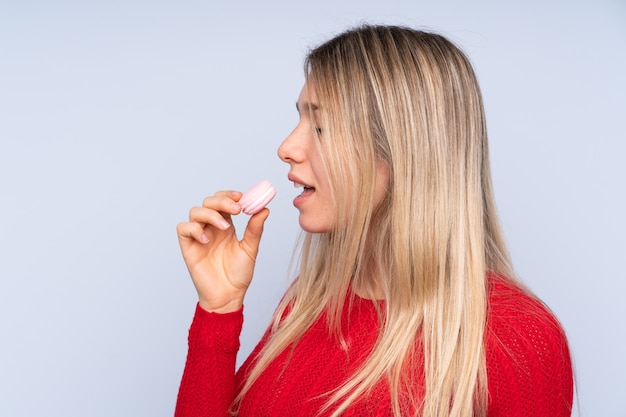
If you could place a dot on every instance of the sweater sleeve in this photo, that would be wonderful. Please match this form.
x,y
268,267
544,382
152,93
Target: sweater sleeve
x,y
208,383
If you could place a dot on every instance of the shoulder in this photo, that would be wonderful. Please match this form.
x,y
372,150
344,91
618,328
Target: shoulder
x,y
527,355
515,315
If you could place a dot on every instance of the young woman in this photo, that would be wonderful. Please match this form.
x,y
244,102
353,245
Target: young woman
x,y
405,302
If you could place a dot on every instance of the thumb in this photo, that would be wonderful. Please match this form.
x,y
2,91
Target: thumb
x,y
254,230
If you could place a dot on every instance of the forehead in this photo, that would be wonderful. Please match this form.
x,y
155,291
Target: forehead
x,y
308,98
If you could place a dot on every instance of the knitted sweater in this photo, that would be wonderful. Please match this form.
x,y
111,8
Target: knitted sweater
x,y
528,364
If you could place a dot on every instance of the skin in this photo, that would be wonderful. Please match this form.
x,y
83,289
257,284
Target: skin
x,y
301,152
220,265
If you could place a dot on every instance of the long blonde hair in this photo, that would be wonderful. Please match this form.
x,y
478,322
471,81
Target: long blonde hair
x,y
410,100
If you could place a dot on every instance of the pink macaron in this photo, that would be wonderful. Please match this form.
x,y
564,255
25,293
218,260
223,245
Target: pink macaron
x,y
257,197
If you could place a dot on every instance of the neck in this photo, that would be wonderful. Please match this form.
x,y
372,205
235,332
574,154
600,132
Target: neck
x,y
367,284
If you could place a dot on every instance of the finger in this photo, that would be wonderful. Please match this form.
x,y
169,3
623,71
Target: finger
x,y
232,194
254,230
209,217
223,203
193,231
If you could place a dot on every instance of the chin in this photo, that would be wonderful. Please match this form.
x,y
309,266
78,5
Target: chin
x,y
315,225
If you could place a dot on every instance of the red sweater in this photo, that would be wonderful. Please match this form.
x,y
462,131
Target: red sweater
x,y
528,364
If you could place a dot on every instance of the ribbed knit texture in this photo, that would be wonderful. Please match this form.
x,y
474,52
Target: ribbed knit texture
x,y
528,365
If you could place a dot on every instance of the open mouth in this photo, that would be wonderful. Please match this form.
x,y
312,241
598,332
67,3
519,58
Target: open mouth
x,y
306,189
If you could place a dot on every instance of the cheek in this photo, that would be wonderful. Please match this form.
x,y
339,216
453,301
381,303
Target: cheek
x,y
320,171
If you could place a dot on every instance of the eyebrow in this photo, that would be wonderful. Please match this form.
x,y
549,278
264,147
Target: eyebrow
x,y
307,105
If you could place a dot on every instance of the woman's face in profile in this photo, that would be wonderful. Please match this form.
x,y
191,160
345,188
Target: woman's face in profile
x,y
307,171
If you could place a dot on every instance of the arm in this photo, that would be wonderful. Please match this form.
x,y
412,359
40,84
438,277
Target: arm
x,y
221,268
208,384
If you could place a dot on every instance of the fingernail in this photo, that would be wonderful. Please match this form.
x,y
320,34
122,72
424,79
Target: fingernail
x,y
204,238
235,207
224,224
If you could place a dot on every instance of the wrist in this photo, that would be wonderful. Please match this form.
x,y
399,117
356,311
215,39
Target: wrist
x,y
229,307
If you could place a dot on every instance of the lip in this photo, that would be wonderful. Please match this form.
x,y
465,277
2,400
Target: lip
x,y
307,192
295,179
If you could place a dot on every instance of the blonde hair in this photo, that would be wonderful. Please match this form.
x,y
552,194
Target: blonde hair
x,y
410,100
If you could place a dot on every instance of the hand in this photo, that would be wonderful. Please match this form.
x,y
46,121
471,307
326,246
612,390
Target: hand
x,y
220,265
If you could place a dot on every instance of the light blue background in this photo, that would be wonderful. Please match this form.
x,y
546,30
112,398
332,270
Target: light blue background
x,y
116,117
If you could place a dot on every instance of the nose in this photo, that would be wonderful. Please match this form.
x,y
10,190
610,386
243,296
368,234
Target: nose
x,y
291,150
